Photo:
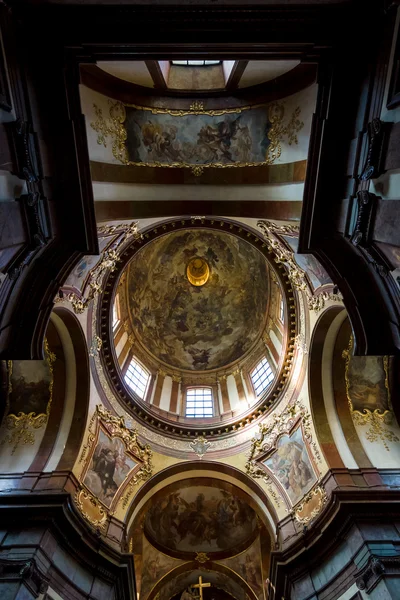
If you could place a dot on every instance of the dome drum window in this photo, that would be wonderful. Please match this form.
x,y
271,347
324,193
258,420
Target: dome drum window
x,y
199,403
262,376
137,378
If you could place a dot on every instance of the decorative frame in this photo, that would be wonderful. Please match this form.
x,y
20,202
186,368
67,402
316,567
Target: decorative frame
x,y
23,425
96,512
113,127
298,277
376,419
265,443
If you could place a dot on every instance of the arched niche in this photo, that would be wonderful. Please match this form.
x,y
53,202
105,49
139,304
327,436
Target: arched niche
x,y
363,388
178,579
68,438
258,499
200,515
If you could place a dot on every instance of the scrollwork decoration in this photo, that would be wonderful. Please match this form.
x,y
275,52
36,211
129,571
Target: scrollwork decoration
x,y
316,492
266,438
113,127
108,261
114,427
297,276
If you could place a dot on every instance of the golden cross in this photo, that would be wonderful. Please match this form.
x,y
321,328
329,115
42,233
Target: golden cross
x,y
201,585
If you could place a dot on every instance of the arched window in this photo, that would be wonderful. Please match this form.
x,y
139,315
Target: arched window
x,y
137,378
199,402
261,376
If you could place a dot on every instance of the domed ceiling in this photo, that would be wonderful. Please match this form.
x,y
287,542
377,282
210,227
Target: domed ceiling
x,y
201,519
198,299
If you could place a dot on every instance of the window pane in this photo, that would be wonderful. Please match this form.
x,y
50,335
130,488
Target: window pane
x,y
261,376
137,378
199,402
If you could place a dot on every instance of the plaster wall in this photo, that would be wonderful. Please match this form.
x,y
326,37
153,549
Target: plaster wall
x,y
70,394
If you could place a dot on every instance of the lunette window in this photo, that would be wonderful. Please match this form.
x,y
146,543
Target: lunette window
x,y
199,402
261,376
137,378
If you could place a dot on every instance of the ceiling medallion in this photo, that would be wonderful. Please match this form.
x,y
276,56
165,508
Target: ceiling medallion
x,y
198,271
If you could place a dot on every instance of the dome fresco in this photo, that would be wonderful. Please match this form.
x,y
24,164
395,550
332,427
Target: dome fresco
x,y
198,327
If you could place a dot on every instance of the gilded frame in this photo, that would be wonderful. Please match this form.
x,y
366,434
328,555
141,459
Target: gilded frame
x,y
264,444
94,510
23,425
113,127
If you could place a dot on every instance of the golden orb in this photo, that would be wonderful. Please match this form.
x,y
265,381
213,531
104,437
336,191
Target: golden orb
x,y
198,271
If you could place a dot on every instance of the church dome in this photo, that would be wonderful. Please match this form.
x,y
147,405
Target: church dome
x,y
197,300
197,335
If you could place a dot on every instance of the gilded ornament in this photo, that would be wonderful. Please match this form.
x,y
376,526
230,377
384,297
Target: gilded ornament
x,y
113,127
115,427
95,348
91,509
108,262
316,492
297,276
266,439
202,557
197,105
24,425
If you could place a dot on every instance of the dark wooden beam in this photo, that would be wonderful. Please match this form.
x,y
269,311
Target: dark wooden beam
x,y
156,74
269,174
283,210
236,75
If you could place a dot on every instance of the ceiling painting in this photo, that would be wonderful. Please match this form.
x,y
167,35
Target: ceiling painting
x,y
201,519
248,566
196,138
196,327
108,469
291,465
309,264
155,565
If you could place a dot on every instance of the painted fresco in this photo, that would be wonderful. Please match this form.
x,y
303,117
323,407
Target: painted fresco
x,y
248,566
291,465
30,387
309,264
109,467
198,328
200,519
367,383
155,566
197,139
77,277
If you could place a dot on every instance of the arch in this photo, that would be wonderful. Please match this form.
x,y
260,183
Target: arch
x,y
194,566
204,469
328,430
76,396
